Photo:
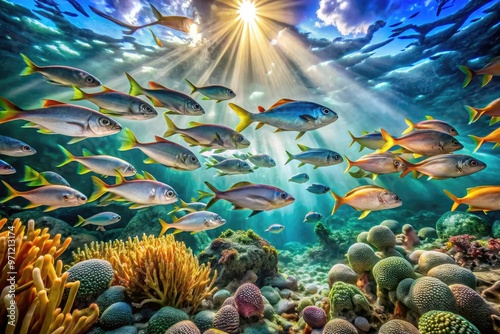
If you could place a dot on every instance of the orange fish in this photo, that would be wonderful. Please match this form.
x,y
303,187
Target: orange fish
x,y
482,198
492,109
491,69
493,137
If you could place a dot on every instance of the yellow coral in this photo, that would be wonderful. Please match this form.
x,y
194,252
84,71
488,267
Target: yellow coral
x,y
155,270
34,300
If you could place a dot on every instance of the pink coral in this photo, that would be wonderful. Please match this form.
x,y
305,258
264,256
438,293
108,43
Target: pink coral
x,y
470,253
248,300
411,238
314,316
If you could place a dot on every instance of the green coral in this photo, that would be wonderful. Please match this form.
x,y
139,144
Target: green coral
x,y
95,276
381,237
394,225
458,223
441,322
164,318
390,271
339,326
116,315
453,274
204,320
431,259
361,257
429,293
347,297
398,327
113,294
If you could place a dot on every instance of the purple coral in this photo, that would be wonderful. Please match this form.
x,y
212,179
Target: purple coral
x,y
227,319
314,316
248,300
470,253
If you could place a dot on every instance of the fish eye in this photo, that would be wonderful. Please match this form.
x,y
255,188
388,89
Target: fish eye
x,y
193,158
218,217
283,195
396,163
104,121
89,79
83,198
325,111
146,108
396,198
169,193
196,107
26,148
230,92
454,142
337,157
65,197
239,138
473,163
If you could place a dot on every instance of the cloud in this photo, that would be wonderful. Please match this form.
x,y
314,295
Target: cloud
x,y
354,16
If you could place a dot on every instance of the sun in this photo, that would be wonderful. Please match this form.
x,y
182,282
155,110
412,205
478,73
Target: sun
x,y
247,11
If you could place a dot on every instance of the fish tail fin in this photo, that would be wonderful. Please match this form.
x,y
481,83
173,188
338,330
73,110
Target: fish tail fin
x,y
203,194
78,94
353,138
389,141
156,12
216,193
478,141
172,128
100,189
209,164
11,193
30,66
455,199
11,111
164,227
290,157
474,113
469,74
183,204
409,168
135,88
411,126
30,174
486,78
245,117
193,87
67,154
80,222
338,201
349,164
129,141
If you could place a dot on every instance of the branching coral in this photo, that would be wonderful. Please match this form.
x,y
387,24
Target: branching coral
x,y
155,270
33,284
471,253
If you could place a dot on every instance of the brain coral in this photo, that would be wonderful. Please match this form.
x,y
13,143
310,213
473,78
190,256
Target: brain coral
x,y
341,272
94,275
398,327
117,315
453,274
429,293
390,271
361,257
204,320
394,225
431,259
164,318
347,297
183,327
113,294
381,237
314,316
248,300
339,326
473,307
227,319
441,322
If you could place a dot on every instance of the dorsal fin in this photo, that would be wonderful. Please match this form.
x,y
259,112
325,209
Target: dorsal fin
x,y
280,102
362,187
240,184
156,12
429,117
303,148
174,219
156,85
86,153
50,103
261,109
469,190
161,140
193,124
107,89
148,176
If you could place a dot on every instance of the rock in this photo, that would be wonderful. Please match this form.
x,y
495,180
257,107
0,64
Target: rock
x,y
362,324
285,306
262,327
285,293
270,294
220,296
427,233
281,282
458,223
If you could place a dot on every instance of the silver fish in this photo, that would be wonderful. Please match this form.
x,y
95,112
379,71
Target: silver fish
x,y
299,178
193,222
162,151
53,196
42,178
100,164
61,75
378,163
319,157
256,197
318,188
6,169
208,135
62,118
118,104
231,166
372,140
176,102
431,124
312,217
100,219
213,92
193,206
288,115
445,166
261,160
423,142
275,228
14,147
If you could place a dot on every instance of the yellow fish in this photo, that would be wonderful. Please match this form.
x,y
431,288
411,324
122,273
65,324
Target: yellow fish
x,y
491,69
482,198
493,137
492,109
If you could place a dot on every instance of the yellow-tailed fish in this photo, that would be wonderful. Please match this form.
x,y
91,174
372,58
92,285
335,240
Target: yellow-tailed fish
x,y
256,197
445,166
118,104
261,160
378,163
372,140
492,137
210,136
482,198
176,102
36,179
193,206
231,166
14,147
367,199
162,151
61,118
101,164
288,115
318,157
193,222
492,109
100,219
141,193
213,92
430,124
488,71
54,196
423,142
275,228
157,40
61,75
6,169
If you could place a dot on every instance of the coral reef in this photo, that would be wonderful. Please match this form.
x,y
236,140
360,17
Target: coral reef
x,y
314,316
95,277
155,270
436,322
348,301
381,237
471,253
116,315
397,326
431,259
429,293
339,326
165,318
183,327
458,223
453,274
341,272
227,319
248,300
361,257
390,271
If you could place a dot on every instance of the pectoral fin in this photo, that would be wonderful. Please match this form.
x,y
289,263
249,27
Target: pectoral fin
x,y
308,118
364,214
300,135
76,140
255,212
150,161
